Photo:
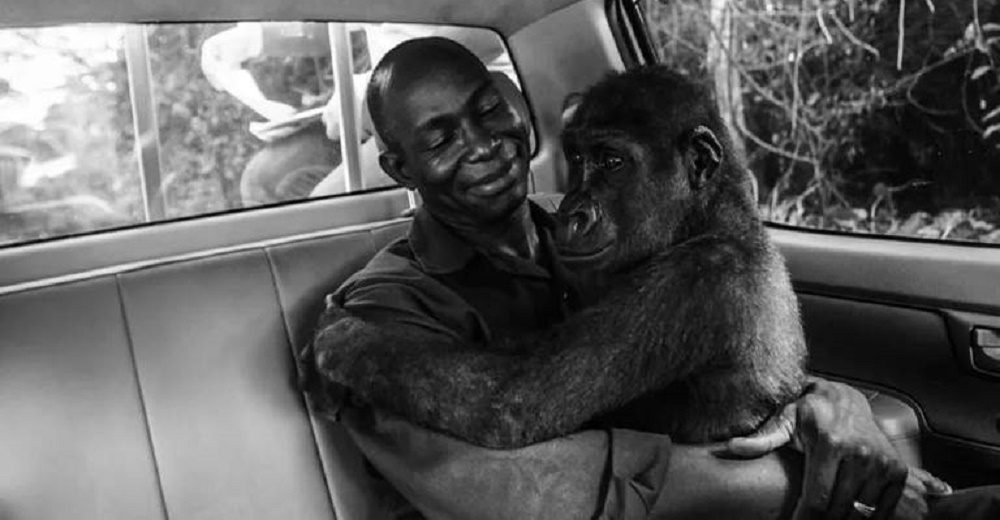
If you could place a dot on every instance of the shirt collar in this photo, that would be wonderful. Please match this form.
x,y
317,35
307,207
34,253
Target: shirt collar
x,y
440,251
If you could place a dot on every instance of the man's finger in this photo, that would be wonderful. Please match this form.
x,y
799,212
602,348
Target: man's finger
x,y
806,508
886,506
933,485
304,365
775,433
304,355
849,485
333,313
820,476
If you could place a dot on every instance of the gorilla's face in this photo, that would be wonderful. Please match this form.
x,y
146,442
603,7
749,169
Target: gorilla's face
x,y
611,215
587,232
627,198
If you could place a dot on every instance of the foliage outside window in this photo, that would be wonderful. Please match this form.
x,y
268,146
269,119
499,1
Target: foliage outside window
x,y
860,116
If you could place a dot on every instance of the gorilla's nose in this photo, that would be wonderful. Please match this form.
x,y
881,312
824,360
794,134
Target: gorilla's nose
x,y
580,221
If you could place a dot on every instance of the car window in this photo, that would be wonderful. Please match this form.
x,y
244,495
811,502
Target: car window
x,y
862,117
109,125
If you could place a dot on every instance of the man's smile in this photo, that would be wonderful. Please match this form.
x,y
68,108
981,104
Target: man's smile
x,y
505,176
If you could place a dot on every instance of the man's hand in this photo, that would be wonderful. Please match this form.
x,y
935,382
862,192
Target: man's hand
x,y
848,458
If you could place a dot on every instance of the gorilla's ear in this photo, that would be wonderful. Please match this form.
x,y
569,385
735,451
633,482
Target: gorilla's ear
x,y
702,155
392,164
570,104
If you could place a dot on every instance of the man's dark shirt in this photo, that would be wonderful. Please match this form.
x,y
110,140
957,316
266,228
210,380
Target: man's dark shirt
x,y
502,295
433,281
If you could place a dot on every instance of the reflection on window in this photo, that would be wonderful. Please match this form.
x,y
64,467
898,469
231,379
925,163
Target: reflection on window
x,y
228,116
296,133
855,116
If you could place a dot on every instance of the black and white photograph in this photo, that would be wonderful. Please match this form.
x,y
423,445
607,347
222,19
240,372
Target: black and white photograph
x,y
500,260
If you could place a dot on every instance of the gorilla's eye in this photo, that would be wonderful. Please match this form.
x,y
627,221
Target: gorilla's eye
x,y
574,158
611,162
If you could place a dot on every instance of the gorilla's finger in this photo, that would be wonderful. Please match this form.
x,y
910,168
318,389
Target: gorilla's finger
x,y
775,433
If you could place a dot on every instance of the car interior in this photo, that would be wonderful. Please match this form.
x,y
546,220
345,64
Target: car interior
x,y
148,372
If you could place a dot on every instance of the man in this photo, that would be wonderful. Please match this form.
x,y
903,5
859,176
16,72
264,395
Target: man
x,y
478,263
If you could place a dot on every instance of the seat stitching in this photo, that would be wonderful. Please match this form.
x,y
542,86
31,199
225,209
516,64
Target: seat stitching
x,y
142,397
291,347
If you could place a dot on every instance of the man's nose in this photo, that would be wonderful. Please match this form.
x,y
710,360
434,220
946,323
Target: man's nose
x,y
481,143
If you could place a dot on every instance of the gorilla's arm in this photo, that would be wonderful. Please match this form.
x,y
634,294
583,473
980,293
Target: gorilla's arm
x,y
596,361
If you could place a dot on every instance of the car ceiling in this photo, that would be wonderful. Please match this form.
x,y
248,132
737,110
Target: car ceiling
x,y
506,16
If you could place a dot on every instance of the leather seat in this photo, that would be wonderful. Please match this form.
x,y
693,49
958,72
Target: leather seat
x,y
169,391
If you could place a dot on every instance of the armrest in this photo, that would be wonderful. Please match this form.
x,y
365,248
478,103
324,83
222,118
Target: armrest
x,y
899,422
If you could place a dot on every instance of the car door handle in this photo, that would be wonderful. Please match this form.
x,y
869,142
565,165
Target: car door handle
x,y
986,349
975,339
985,338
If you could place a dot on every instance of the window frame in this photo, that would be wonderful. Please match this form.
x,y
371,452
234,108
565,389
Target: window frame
x,y
138,69
627,20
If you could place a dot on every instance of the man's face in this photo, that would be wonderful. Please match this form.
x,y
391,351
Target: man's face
x,y
462,144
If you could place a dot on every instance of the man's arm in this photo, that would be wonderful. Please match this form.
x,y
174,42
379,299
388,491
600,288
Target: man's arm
x,y
613,474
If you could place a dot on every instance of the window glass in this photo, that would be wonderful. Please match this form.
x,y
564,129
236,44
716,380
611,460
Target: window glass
x,y
863,117
229,116
66,162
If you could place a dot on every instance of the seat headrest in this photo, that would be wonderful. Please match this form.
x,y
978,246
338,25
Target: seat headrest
x,y
508,89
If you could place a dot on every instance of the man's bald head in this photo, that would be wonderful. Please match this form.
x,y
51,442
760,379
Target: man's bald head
x,y
407,64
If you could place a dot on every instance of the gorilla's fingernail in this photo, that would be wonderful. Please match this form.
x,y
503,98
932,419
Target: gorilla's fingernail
x,y
939,487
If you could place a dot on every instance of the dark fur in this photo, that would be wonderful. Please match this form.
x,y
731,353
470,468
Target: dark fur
x,y
696,334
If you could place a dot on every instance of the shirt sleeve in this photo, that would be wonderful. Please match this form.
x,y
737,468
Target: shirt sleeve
x,y
614,474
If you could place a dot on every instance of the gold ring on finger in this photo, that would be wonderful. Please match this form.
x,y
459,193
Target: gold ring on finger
x,y
864,510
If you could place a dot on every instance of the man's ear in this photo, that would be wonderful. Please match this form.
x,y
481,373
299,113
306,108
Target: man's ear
x,y
702,156
392,164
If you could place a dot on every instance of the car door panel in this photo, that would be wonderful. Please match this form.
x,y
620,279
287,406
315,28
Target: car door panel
x,y
904,349
897,317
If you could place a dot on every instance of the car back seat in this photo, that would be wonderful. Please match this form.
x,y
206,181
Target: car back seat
x,y
169,391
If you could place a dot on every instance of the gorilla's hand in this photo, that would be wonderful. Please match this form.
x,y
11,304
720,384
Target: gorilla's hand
x,y
319,360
